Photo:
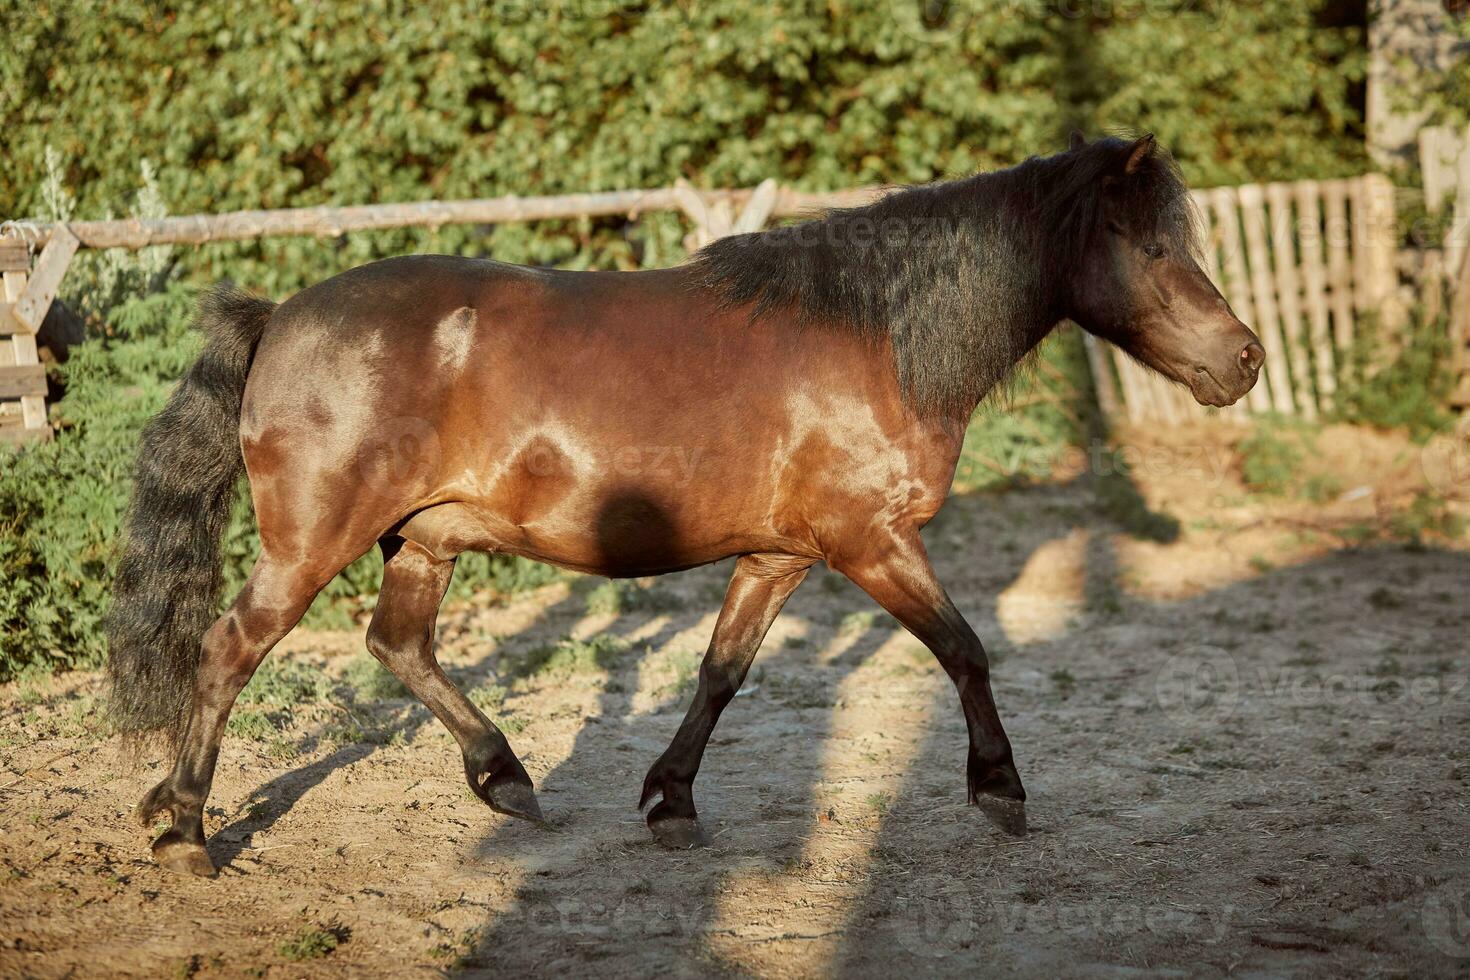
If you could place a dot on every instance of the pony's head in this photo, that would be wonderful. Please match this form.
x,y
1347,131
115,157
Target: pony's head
x,y
1134,277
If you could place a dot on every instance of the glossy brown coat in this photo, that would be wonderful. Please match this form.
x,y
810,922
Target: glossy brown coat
x,y
639,423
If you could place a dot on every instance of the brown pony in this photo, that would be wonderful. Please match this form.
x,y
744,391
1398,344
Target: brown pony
x,y
815,381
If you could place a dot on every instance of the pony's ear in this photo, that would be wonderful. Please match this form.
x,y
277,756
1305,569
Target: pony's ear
x,y
1078,141
1140,151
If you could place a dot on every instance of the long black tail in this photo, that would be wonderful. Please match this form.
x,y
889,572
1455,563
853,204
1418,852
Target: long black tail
x,y
166,590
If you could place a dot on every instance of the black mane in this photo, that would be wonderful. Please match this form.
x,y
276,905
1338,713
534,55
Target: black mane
x,y
964,277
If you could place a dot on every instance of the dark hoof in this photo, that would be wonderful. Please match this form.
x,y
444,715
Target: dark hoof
x,y
678,833
1009,816
998,792
514,800
183,857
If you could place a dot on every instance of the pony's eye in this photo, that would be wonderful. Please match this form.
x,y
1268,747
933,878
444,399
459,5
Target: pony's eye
x,y
1153,250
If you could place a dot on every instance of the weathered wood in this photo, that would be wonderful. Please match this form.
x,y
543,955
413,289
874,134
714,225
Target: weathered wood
x,y
23,349
1237,281
8,323
1314,287
1459,327
15,256
1268,325
30,309
198,229
1103,382
1383,247
1138,396
1288,295
1335,231
23,379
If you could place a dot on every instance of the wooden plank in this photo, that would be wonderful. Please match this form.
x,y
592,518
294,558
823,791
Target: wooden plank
x,y
23,347
1289,295
1339,272
30,309
198,229
1459,326
1108,399
1314,286
1237,281
1383,243
23,379
8,324
15,255
1457,236
1136,397
1268,324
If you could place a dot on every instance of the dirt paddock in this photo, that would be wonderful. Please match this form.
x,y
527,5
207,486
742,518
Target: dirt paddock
x,y
1247,751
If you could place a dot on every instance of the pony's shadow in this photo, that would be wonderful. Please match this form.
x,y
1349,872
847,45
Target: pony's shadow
x,y
279,796
733,794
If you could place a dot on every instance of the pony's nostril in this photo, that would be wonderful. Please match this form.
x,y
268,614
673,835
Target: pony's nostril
x,y
1252,357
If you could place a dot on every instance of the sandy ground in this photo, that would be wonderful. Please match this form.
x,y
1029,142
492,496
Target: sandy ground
x,y
1248,753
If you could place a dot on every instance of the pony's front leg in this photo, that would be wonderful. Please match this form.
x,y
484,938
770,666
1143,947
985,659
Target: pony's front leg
x,y
757,591
896,572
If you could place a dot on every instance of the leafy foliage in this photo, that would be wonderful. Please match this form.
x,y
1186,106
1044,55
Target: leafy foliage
x,y
282,104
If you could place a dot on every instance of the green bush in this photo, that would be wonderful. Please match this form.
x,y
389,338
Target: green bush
x,y
1407,388
282,104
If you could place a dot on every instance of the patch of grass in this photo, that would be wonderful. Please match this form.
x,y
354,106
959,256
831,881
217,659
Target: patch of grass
x,y
489,698
1271,457
283,683
857,622
257,726
1064,682
685,664
371,681
313,942
618,596
570,655
879,802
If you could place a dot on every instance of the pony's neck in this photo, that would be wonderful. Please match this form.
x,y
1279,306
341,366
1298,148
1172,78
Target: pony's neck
x,y
955,277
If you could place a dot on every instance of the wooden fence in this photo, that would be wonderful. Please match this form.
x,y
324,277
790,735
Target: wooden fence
x,y
1308,264
1311,266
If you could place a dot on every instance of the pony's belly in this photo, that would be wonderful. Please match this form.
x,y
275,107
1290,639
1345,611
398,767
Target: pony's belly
x,y
624,534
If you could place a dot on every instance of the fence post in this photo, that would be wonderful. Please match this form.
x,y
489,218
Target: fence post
x,y
27,300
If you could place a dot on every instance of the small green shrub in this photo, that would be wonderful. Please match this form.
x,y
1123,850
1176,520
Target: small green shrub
x,y
313,942
1271,457
371,681
570,655
1407,390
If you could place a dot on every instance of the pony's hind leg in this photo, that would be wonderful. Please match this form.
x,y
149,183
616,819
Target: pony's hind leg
x,y
272,601
758,589
401,636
